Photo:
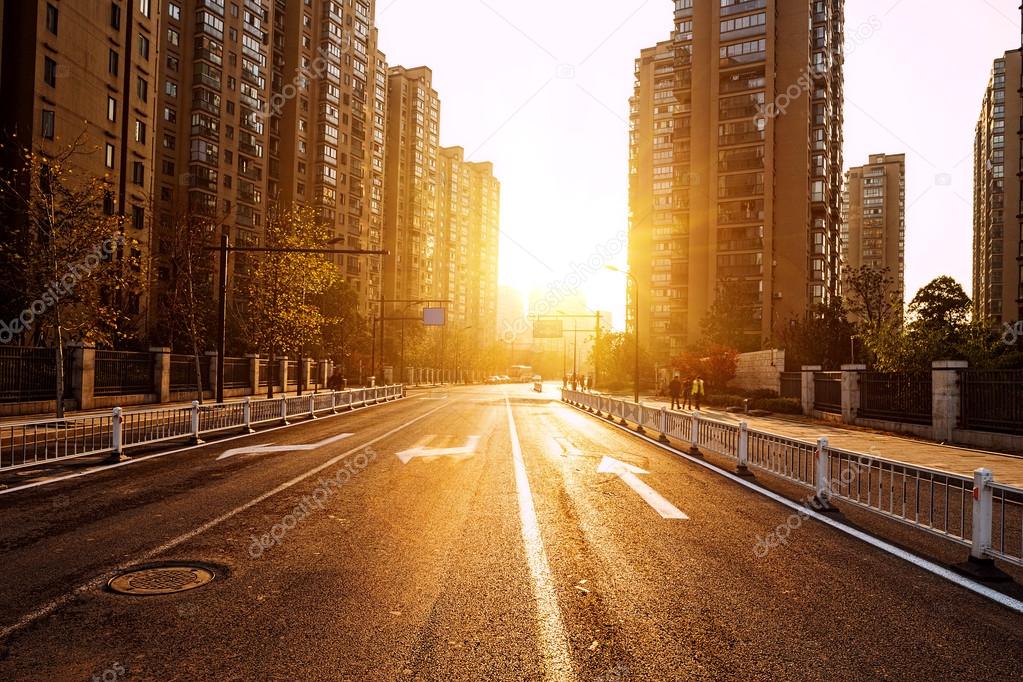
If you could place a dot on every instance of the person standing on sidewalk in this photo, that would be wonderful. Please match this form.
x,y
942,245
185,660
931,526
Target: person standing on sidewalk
x,y
699,390
675,389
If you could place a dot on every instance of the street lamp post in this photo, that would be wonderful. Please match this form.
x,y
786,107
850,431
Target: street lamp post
x,y
635,297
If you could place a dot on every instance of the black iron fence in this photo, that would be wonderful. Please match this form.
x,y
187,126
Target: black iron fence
x,y
27,374
268,372
992,400
903,397
292,373
123,373
827,392
236,372
792,385
182,373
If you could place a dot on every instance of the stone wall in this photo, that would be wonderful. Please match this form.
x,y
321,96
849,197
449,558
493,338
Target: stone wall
x,y
759,370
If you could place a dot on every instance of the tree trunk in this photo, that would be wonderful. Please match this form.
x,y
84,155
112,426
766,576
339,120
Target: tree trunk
x,y
270,374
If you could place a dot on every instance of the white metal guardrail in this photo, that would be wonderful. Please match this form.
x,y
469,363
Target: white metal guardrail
x,y
30,443
975,512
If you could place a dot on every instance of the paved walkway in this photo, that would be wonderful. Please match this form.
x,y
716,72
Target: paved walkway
x,y
1007,468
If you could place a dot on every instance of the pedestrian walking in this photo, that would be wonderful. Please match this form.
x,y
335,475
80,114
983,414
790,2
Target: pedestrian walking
x,y
675,389
687,394
699,390
564,382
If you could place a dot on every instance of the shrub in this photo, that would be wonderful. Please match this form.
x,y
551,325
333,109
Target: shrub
x,y
779,405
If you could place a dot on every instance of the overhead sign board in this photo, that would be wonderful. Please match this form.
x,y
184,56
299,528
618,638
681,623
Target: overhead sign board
x,y
434,317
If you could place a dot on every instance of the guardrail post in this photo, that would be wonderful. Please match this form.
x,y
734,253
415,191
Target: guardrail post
x,y
663,438
333,402
742,451
621,415
822,498
639,419
247,414
284,409
694,436
312,406
116,437
983,506
196,440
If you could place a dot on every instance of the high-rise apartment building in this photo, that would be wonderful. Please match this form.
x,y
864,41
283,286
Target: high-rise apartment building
x,y
874,217
468,210
410,209
735,167
997,241
82,74
327,126
212,135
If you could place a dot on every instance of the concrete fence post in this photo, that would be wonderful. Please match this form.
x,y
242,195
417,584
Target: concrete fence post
x,y
195,423
211,378
694,440
946,398
822,481
983,508
742,451
83,375
807,373
284,409
161,373
851,392
247,414
283,364
312,406
254,377
639,418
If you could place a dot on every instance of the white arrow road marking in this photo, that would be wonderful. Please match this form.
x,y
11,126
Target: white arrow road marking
x,y
420,450
568,449
630,476
266,449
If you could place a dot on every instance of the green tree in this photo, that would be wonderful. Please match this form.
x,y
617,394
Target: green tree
x,y
731,320
70,274
873,297
823,337
344,333
282,315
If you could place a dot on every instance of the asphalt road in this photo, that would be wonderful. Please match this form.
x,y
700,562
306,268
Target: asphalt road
x,y
465,534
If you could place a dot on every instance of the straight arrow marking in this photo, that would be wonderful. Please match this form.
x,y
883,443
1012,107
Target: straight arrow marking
x,y
266,449
630,476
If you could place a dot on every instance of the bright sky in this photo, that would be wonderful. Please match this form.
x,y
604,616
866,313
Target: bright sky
x,y
542,89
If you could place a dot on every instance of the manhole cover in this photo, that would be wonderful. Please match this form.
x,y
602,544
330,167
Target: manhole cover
x,y
161,580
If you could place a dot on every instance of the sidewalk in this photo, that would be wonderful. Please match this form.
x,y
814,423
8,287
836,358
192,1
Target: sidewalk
x,y
1007,469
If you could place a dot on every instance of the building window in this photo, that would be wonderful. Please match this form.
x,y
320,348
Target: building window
x,y
142,88
144,7
50,72
52,18
173,11
138,217
138,173
144,47
110,155
173,37
171,89
140,132
115,15
49,124
114,63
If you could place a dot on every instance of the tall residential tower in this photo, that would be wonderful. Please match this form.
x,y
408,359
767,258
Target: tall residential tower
x,y
736,167
874,217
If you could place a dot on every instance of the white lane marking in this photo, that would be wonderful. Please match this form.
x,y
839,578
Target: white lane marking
x,y
421,450
266,449
557,660
136,460
439,397
630,476
55,604
929,566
